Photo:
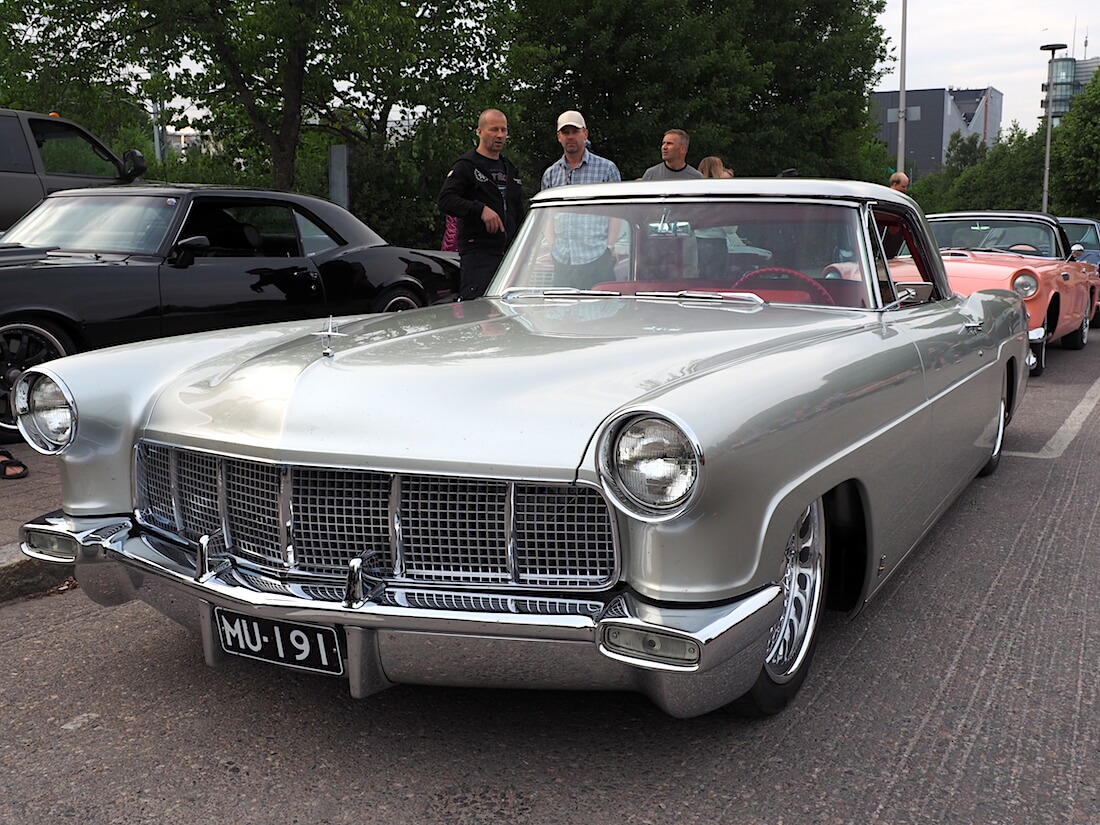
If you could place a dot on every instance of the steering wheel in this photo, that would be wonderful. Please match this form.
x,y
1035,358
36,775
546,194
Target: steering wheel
x,y
1023,247
791,274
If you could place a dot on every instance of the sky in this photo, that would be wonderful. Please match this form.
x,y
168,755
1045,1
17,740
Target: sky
x,y
971,45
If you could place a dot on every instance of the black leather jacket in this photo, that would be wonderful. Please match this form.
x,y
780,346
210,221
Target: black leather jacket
x,y
469,187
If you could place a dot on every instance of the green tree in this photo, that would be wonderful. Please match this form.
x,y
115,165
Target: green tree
x,y
764,85
41,72
1009,177
262,70
935,191
963,152
1075,156
821,59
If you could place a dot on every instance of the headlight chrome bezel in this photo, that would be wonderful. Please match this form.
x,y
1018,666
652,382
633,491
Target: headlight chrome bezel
x,y
627,497
31,421
1025,284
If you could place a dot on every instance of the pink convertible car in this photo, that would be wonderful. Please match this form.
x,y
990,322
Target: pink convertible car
x,y
1027,252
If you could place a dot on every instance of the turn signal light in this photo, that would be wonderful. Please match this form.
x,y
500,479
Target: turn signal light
x,y
49,546
640,643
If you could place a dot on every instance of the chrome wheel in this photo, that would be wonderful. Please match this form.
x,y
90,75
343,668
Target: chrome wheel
x,y
803,586
990,466
397,299
23,346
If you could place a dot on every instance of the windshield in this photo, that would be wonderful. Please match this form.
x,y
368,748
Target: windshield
x,y
996,234
125,224
785,252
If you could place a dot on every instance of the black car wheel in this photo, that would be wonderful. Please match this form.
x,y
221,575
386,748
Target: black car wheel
x,y
1079,337
397,299
24,345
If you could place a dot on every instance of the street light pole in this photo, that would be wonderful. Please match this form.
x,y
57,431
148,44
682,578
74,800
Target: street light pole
x,y
1052,48
901,95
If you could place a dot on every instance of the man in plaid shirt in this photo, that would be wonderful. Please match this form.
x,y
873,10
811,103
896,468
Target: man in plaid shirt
x,y
581,245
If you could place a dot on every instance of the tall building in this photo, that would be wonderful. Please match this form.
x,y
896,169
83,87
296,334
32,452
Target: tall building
x,y
932,116
1068,77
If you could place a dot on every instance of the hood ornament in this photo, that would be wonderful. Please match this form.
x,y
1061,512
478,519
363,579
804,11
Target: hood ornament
x,y
326,335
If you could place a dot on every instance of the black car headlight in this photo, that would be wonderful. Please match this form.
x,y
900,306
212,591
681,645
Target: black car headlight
x,y
650,465
45,412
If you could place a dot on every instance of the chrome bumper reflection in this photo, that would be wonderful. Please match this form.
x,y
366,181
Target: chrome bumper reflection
x,y
427,636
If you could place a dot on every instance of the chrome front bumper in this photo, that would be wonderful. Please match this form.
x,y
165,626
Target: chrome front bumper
x,y
389,642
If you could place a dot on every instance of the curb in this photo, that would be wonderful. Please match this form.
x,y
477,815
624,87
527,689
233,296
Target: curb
x,y
22,576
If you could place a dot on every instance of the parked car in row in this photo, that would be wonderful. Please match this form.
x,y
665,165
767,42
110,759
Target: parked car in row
x,y
89,268
654,479
1084,232
1027,252
40,154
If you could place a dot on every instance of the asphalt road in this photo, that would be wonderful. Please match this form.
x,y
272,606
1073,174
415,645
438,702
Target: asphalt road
x,y
966,693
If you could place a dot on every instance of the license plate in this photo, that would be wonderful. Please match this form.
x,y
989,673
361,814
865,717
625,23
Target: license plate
x,y
303,646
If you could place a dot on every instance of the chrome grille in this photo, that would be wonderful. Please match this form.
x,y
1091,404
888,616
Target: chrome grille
x,y
309,522
252,511
454,529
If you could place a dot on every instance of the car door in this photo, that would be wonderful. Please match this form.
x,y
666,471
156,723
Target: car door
x,y
71,158
955,341
21,187
249,268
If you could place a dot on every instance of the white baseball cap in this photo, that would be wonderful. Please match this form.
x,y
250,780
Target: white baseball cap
x,y
571,118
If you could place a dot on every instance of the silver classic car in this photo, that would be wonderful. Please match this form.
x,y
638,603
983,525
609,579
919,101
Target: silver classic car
x,y
687,419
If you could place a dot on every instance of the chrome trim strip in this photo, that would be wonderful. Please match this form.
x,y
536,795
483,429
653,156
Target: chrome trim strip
x,y
223,502
397,537
511,550
286,516
174,489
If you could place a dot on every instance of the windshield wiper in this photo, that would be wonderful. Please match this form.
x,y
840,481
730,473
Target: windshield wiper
x,y
558,292
698,295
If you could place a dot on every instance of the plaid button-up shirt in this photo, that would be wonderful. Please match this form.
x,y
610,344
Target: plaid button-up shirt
x,y
579,238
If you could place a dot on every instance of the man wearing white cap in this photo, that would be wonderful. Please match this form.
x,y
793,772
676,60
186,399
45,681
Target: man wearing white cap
x,y
582,243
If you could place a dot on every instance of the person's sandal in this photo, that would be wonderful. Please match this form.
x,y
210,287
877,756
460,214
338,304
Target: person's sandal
x,y
7,463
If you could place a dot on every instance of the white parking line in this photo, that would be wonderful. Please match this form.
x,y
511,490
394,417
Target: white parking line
x,y
1070,427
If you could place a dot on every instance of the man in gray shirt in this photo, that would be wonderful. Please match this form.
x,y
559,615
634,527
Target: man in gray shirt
x,y
673,165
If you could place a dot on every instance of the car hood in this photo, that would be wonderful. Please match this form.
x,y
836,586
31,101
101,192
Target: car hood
x,y
488,387
970,271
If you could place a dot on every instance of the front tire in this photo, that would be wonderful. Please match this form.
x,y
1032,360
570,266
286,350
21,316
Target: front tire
x,y
794,637
990,467
24,345
397,299
1079,337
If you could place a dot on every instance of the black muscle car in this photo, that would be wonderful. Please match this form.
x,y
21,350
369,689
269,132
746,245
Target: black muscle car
x,y
90,268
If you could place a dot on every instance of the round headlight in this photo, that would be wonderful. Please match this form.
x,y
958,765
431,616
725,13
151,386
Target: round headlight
x,y
45,412
1025,285
653,463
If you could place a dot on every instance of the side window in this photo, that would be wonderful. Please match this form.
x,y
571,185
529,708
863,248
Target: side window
x,y
66,150
239,229
272,228
14,154
904,270
314,238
